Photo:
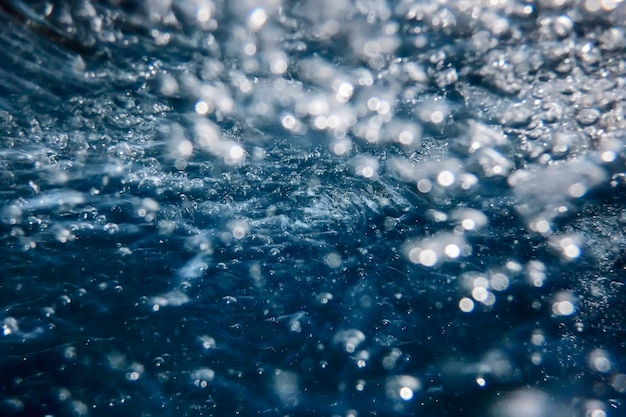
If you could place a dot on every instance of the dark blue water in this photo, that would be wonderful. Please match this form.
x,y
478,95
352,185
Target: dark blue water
x,y
291,208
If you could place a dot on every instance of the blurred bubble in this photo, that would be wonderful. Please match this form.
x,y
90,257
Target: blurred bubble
x,y
289,121
523,403
499,281
618,382
79,408
239,229
480,294
287,387
562,26
469,219
536,273
540,225
563,304
433,112
257,19
402,387
366,166
324,298
569,246
466,305
424,186
202,107
608,156
174,298
445,178
595,408
278,63
341,147
9,326
207,342
201,377
599,361
333,260
70,353
389,361
431,251
452,251
577,190
349,339
205,12
236,152
169,85
427,257
360,385
344,92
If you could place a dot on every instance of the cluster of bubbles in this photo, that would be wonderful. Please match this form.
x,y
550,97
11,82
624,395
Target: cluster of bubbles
x,y
469,150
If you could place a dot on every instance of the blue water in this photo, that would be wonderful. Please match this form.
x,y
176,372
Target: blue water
x,y
289,208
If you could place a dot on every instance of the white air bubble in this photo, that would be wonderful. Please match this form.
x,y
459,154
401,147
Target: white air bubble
x,y
480,294
608,156
203,14
236,152
402,387
437,117
466,305
424,186
599,361
279,66
202,107
406,138
350,339
320,122
258,17
563,308
569,246
184,148
428,257
577,190
406,393
452,251
344,92
341,147
366,166
249,49
541,226
289,122
499,282
445,178
367,172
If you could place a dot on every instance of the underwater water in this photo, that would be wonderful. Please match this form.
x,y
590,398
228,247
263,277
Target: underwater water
x,y
313,208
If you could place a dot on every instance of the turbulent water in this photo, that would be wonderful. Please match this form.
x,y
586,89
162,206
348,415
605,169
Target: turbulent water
x,y
313,208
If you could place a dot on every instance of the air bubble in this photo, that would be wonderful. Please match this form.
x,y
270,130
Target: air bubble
x,y
445,178
257,19
466,305
9,326
366,167
563,306
424,186
202,108
402,387
349,339
599,361
452,251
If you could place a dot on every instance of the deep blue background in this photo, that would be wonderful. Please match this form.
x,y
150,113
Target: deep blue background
x,y
83,144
